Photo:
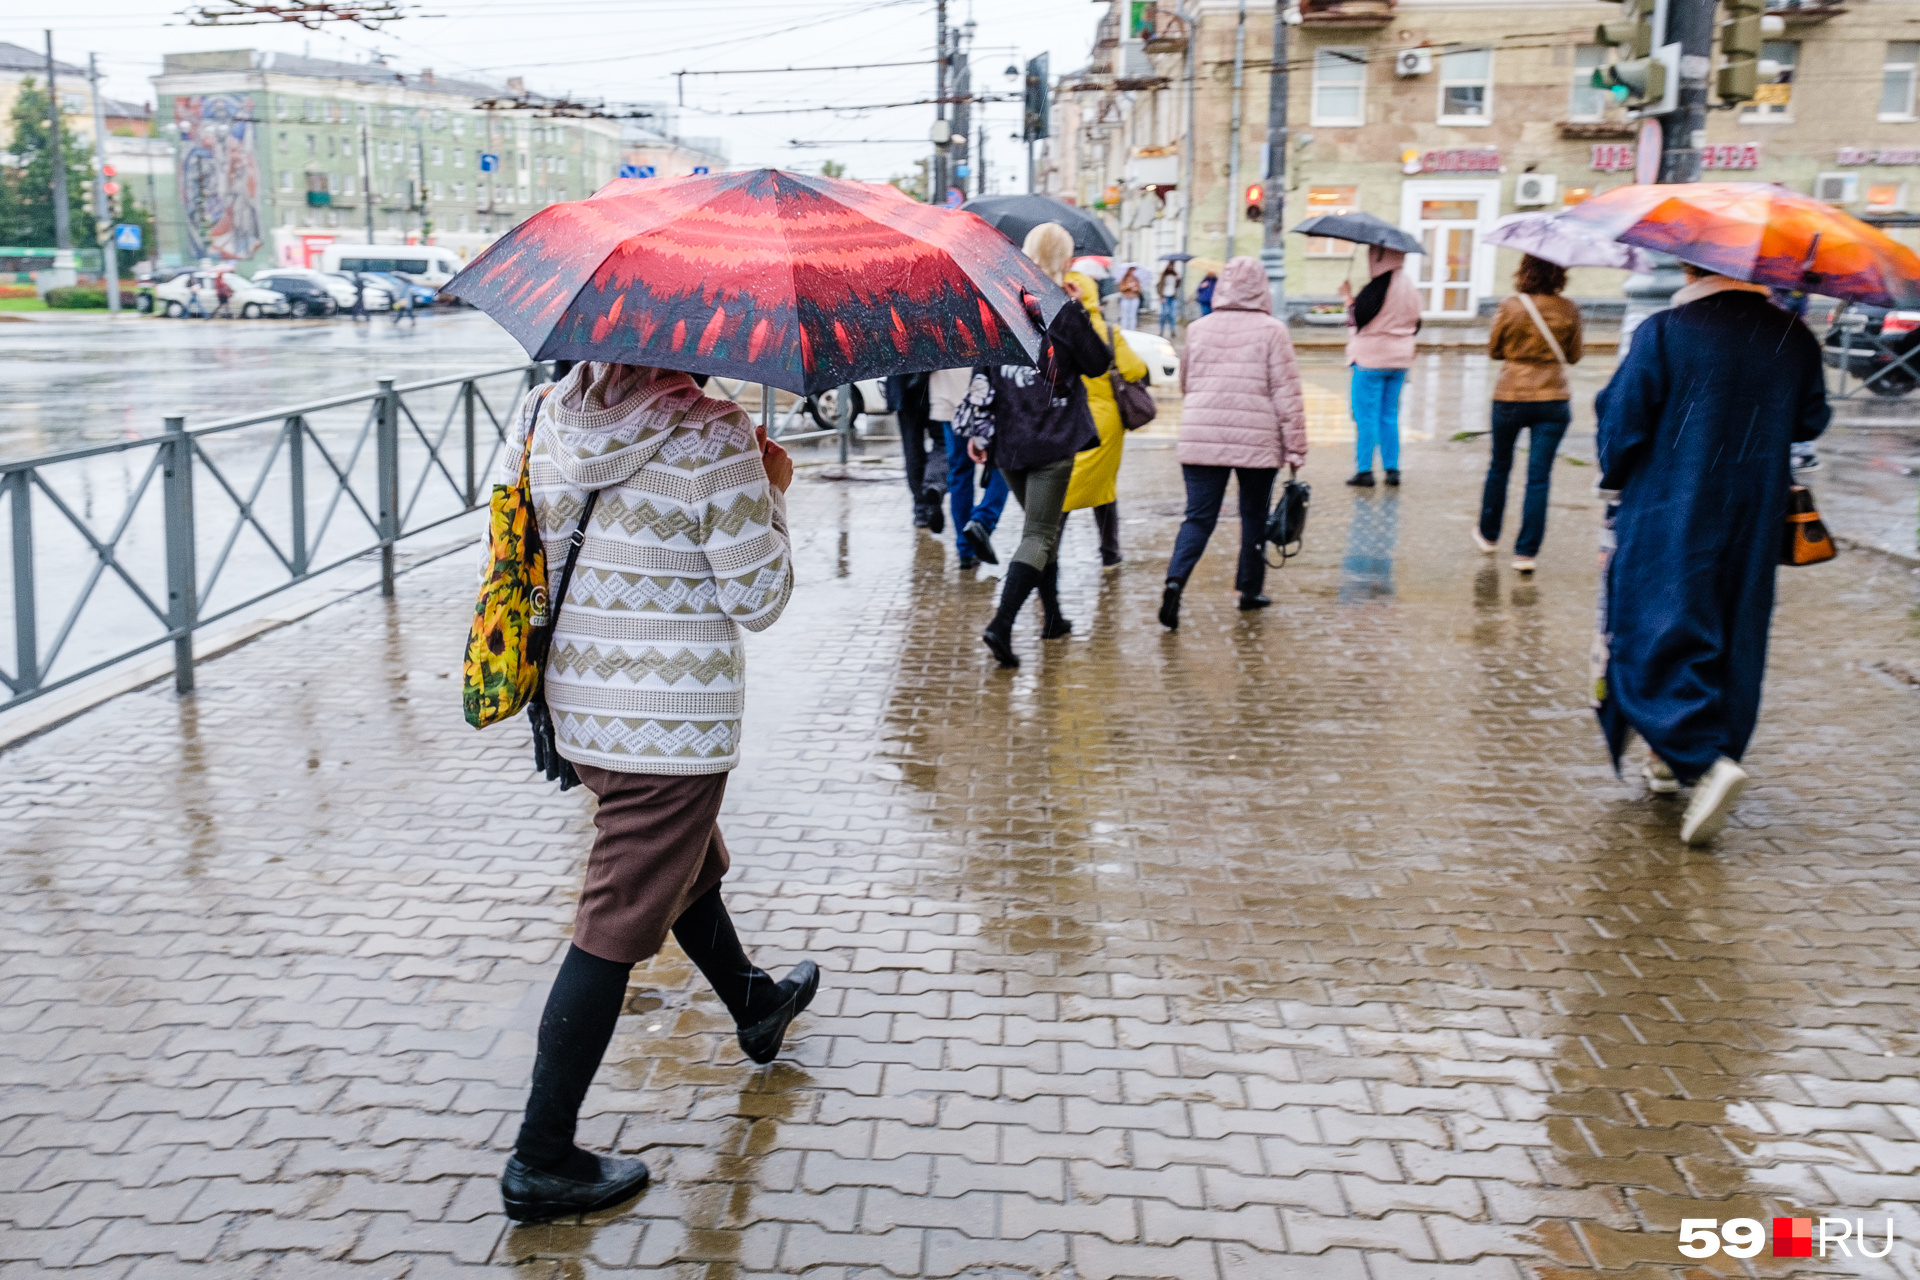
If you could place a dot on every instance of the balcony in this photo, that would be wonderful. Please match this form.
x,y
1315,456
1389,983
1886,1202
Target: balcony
x,y
1801,13
320,199
1346,13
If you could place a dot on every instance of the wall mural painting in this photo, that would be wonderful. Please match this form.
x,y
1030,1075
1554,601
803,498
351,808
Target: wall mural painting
x,y
219,175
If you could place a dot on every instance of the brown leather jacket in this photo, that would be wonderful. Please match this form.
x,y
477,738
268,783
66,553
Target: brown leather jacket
x,y
1531,372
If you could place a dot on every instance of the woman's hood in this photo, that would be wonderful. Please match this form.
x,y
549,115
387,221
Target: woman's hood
x,y
1380,261
605,421
1243,287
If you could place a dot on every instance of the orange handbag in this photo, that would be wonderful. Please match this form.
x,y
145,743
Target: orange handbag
x,y
1805,539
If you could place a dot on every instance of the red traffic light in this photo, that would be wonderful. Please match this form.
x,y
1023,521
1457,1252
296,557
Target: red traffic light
x,y
108,170
113,188
1255,193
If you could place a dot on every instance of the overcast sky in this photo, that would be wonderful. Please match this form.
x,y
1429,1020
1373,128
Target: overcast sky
x,y
629,50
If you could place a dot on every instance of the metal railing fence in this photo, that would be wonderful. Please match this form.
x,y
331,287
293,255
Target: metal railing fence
x,y
139,544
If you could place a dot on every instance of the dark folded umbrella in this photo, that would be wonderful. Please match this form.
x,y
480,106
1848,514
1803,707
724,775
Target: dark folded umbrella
x,y
1014,216
1361,228
804,283
1176,257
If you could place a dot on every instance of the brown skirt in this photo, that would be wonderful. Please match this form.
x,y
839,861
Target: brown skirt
x,y
657,848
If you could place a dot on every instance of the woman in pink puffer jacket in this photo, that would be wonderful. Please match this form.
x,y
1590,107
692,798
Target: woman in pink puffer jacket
x,y
1243,415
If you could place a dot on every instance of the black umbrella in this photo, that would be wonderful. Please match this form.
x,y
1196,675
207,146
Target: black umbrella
x,y
1014,216
1176,257
1361,228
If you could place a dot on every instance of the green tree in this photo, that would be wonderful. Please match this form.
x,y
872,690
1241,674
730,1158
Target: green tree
x,y
832,169
26,184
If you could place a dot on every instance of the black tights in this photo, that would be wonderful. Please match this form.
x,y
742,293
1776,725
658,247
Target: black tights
x,y
577,1025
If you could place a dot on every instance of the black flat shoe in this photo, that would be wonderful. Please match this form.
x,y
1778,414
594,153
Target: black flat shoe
x,y
762,1040
532,1196
981,541
1250,603
936,520
1393,479
968,562
1002,647
1362,480
1170,607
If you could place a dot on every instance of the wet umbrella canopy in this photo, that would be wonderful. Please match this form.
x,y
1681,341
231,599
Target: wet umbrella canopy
x,y
1551,237
1759,232
1361,228
1014,216
800,282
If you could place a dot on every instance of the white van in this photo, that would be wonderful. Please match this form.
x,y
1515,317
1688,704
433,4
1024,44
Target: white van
x,y
424,264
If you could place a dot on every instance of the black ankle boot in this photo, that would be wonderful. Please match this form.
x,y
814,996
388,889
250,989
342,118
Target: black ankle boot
x,y
1055,624
1170,606
1020,582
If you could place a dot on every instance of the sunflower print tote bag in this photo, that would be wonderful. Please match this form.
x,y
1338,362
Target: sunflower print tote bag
x,y
501,670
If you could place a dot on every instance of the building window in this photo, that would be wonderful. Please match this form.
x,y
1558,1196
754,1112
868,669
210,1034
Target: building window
x,y
1587,102
1330,200
1466,86
283,140
1774,102
459,127
1887,197
1339,86
286,180
351,186
439,189
459,158
439,156
281,109
463,222
1896,80
439,121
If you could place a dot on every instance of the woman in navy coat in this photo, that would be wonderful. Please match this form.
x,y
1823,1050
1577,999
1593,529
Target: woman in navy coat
x,y
1695,435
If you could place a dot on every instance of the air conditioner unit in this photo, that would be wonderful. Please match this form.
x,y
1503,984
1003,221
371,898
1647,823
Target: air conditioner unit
x,y
1535,189
1837,188
1412,62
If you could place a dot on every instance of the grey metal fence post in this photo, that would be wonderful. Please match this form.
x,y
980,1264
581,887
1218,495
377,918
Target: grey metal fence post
x,y
26,628
297,473
388,462
473,489
843,420
182,588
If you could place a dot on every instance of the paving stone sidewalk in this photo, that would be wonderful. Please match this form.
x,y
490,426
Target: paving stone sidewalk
x,y
1320,942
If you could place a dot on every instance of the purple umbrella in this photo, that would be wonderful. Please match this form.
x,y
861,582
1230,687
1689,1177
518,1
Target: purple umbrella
x,y
1567,244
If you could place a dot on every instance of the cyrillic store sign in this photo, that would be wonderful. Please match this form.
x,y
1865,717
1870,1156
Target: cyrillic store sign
x,y
1618,157
1461,160
1881,155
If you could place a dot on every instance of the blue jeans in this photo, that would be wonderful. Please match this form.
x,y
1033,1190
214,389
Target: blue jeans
x,y
1547,422
1376,416
1206,490
960,477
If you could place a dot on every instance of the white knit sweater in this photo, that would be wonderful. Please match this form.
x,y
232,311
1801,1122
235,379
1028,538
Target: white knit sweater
x,y
687,544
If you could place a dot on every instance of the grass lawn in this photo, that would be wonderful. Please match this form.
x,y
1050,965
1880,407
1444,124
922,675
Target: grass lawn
x,y
22,304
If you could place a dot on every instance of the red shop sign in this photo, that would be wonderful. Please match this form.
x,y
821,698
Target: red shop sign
x,y
1731,155
1462,160
1613,157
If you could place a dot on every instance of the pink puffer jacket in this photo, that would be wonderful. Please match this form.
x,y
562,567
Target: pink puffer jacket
x,y
1243,403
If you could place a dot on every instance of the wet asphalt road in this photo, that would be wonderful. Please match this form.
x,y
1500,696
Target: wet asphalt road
x,y
1320,942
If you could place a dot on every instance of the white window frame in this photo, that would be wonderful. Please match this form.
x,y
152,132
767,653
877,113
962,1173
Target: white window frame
x,y
1354,55
1908,67
1899,204
1582,80
1757,113
1484,82
1323,246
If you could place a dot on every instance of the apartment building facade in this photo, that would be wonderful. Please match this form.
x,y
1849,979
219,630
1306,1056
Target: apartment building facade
x,y
276,157
1443,115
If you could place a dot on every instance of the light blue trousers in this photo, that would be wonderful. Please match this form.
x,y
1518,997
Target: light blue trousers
x,y
1376,416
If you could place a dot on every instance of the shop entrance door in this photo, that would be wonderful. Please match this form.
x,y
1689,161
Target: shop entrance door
x,y
1450,220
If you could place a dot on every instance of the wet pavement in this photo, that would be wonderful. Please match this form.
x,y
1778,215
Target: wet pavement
x,y
1320,942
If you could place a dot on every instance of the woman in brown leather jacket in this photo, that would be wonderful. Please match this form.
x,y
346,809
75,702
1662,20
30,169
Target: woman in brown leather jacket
x,y
1537,333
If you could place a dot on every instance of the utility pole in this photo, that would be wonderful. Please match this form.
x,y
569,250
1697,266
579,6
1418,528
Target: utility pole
x,y
1233,130
1690,25
102,204
1190,18
366,167
937,174
62,216
1273,254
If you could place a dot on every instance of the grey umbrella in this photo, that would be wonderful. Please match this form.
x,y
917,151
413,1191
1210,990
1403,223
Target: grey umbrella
x,y
1361,228
1014,216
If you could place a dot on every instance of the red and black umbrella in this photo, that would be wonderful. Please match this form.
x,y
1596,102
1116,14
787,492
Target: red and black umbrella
x,y
804,283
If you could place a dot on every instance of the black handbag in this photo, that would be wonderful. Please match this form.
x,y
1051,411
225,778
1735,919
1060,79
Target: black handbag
x,y
1133,399
546,751
1805,539
1287,522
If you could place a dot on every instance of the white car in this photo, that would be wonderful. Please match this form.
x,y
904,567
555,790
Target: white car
x,y
341,290
1163,362
378,297
869,397
245,299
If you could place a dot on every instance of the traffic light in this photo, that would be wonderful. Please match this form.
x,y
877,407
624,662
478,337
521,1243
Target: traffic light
x,y
1035,100
1256,196
1741,40
1645,72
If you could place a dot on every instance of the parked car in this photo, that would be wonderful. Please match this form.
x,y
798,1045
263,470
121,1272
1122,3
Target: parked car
x,y
341,291
379,298
397,287
1869,339
868,397
143,292
1163,362
246,299
304,297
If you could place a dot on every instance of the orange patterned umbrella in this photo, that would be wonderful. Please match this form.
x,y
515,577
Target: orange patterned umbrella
x,y
1759,232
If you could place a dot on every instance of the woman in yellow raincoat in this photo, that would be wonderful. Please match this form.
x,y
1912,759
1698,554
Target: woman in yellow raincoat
x,y
1096,471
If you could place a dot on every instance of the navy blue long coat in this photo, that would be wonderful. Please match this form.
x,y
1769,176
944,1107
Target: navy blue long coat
x,y
1694,433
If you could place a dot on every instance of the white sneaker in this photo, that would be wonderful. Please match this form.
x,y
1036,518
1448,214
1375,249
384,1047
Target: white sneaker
x,y
1486,548
1660,779
1523,564
1713,798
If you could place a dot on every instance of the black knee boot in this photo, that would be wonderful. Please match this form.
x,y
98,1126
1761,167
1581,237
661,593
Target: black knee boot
x,y
1020,582
1056,624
